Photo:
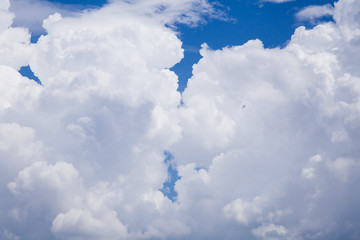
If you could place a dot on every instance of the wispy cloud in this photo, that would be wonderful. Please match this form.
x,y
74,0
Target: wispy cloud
x,y
315,12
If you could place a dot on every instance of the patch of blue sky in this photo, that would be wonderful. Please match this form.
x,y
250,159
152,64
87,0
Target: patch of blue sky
x,y
168,188
27,72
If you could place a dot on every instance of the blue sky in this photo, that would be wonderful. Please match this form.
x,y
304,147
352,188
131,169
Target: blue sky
x,y
113,126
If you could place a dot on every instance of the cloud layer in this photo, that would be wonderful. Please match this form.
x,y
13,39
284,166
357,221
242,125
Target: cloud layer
x,y
266,141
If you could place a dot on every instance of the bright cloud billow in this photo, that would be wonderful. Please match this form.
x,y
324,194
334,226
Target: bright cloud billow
x,y
265,141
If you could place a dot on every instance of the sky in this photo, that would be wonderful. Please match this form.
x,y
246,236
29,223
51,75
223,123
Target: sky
x,y
184,119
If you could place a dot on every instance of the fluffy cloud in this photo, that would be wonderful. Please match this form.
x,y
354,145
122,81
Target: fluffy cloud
x,y
102,117
4,5
31,13
243,212
83,225
15,49
282,107
265,142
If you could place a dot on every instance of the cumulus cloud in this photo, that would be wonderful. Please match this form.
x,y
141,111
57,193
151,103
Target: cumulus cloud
x,y
270,231
265,142
104,120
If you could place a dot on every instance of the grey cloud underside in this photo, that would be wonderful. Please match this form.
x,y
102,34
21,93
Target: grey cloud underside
x,y
266,143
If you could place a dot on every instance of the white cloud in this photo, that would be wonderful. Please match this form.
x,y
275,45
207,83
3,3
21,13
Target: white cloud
x,y
41,176
278,1
105,120
31,13
16,91
80,224
189,12
83,154
308,173
4,4
296,106
15,48
242,211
